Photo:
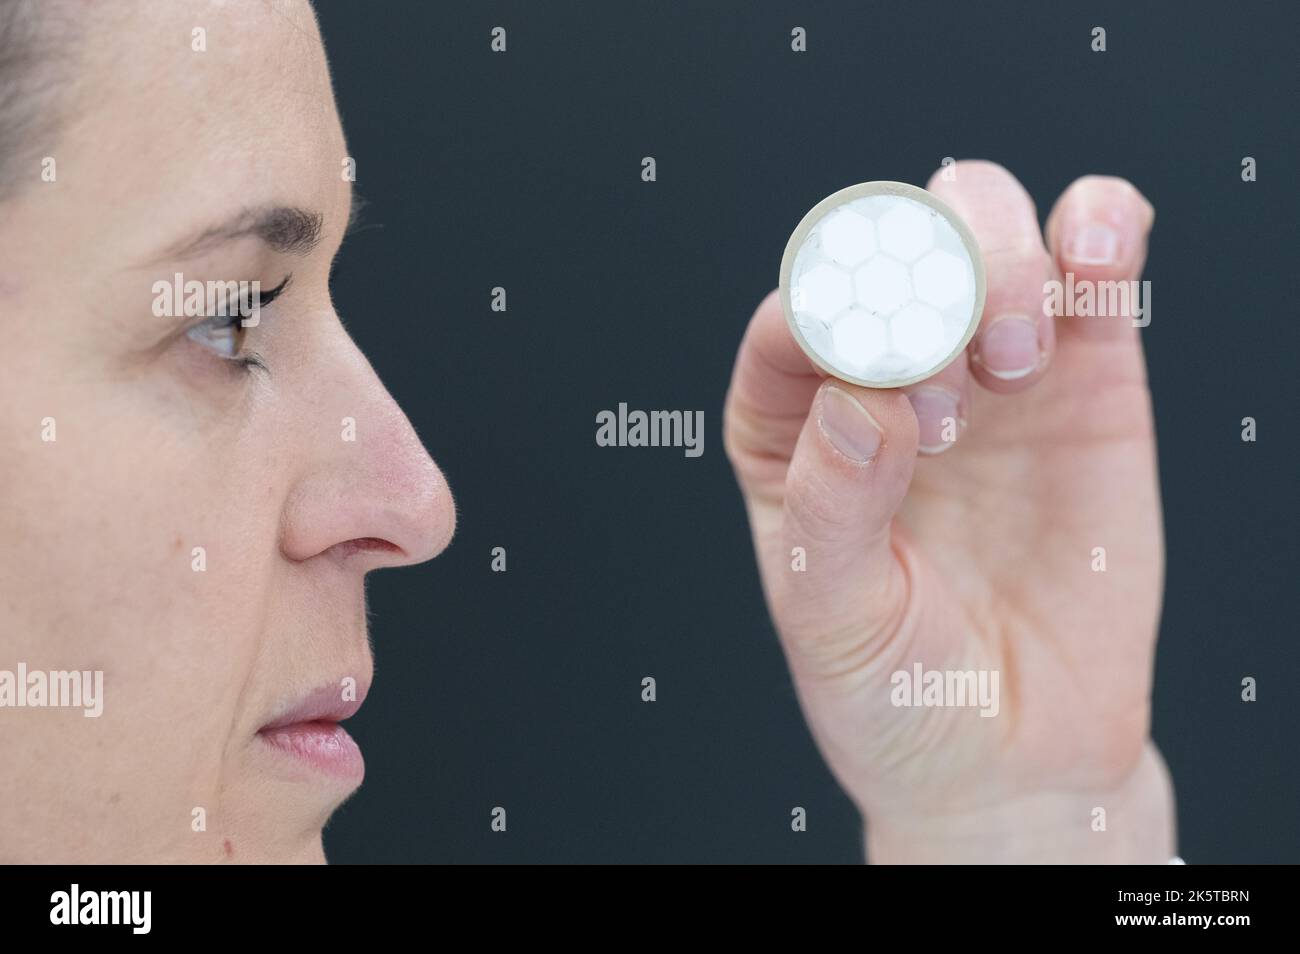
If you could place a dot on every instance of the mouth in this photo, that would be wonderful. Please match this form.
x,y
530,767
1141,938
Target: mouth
x,y
309,733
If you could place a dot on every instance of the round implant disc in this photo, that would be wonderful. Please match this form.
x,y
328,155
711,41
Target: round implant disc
x,y
882,284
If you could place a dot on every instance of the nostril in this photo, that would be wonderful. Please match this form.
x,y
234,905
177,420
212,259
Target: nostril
x,y
367,545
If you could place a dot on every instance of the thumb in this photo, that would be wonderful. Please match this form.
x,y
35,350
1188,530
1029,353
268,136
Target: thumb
x,y
849,473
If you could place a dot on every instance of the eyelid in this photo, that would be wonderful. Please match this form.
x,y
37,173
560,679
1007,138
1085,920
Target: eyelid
x,y
266,297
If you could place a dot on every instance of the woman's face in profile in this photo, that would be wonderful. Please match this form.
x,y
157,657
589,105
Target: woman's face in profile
x,y
190,502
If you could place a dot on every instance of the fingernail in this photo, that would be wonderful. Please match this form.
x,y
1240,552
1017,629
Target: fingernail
x,y
938,417
1093,244
847,425
1008,348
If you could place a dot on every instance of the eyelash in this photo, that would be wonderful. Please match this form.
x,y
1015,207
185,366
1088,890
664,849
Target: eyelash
x,y
248,361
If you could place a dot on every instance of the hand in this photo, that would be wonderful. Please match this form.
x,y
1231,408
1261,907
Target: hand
x,y
960,524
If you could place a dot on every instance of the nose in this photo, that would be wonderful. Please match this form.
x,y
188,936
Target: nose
x,y
369,493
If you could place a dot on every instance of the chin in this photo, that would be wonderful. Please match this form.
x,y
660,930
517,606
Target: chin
x,y
312,853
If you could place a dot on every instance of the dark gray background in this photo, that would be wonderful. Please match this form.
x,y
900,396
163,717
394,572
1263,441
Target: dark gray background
x,y
523,170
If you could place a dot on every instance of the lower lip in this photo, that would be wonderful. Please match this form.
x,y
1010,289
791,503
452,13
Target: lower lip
x,y
325,746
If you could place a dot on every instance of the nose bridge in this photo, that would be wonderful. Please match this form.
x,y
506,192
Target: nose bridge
x,y
370,477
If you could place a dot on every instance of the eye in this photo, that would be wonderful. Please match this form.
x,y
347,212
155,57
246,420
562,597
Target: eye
x,y
223,334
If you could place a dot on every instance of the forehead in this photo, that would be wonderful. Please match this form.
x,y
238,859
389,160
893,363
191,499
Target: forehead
x,y
190,107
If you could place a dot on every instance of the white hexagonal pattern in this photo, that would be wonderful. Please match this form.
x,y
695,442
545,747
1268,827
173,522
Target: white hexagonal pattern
x,y
824,291
847,237
917,331
882,288
907,231
940,278
882,285
859,338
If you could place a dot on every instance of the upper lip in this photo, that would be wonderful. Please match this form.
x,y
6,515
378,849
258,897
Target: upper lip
x,y
325,704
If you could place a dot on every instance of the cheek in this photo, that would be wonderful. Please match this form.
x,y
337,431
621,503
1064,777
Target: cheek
x,y
135,548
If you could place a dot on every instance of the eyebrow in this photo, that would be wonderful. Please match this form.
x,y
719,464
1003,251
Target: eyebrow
x,y
283,228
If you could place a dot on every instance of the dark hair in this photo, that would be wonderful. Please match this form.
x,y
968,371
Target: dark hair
x,y
28,87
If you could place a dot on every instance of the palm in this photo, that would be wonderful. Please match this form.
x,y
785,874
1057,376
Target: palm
x,y
1004,530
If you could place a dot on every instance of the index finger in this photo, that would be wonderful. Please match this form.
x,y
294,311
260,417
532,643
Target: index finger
x,y
772,388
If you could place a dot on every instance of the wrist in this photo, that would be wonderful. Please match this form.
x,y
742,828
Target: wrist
x,y
1049,827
